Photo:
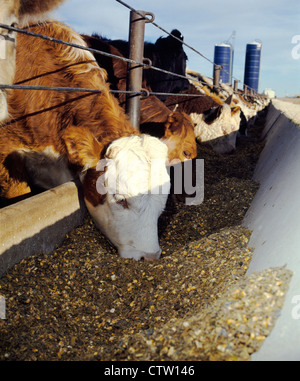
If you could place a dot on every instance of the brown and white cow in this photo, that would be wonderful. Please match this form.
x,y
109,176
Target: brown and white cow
x,y
53,136
217,125
16,13
215,122
244,110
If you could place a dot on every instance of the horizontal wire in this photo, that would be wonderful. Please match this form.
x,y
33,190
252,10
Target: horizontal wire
x,y
145,93
52,39
49,88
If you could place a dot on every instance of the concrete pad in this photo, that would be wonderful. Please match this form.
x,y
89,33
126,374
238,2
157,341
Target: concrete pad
x,y
274,218
39,224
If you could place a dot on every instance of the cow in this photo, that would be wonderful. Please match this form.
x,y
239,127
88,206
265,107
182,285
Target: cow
x,y
54,136
166,53
14,13
175,128
249,105
216,122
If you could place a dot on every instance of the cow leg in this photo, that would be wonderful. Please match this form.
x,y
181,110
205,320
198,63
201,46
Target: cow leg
x,y
13,189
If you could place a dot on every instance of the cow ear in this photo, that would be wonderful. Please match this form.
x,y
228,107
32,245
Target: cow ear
x,y
211,115
83,149
177,33
176,44
112,152
235,110
229,100
174,124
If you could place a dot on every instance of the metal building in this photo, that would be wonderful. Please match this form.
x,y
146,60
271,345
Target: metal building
x,y
223,55
252,65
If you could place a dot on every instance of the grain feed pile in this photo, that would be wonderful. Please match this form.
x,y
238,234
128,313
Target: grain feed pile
x,y
83,302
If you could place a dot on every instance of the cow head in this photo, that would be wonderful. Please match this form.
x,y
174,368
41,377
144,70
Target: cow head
x,y
218,126
180,137
126,191
168,55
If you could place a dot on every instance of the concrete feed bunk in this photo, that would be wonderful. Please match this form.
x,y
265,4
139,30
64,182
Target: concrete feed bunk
x,y
274,218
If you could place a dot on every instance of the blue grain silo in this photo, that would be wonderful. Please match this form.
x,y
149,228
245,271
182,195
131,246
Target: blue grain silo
x,y
223,56
252,65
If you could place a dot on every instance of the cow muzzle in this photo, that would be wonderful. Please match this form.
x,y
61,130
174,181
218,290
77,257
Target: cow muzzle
x,y
139,255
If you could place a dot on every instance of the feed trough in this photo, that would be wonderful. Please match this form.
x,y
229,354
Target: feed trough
x,y
224,288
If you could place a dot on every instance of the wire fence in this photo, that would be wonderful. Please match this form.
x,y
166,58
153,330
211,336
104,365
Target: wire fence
x,y
94,51
147,65
176,38
165,31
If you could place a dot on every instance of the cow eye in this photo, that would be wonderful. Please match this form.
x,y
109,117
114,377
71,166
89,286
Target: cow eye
x,y
187,154
121,200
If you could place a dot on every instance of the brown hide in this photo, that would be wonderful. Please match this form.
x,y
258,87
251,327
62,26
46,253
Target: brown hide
x,y
39,119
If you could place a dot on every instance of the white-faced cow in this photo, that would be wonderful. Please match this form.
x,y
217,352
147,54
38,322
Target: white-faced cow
x,y
244,108
54,136
216,122
16,13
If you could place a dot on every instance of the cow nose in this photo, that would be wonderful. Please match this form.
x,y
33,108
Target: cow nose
x,y
130,252
151,256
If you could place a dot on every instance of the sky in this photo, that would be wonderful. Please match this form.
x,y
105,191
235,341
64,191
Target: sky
x,y
275,23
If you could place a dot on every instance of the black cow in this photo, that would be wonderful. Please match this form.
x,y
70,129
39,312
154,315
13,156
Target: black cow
x,y
166,53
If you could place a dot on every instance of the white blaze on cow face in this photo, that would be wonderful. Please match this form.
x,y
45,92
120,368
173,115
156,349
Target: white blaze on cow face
x,y
137,185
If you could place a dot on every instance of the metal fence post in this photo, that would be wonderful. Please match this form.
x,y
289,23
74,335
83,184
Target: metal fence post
x,y
235,85
135,72
217,70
